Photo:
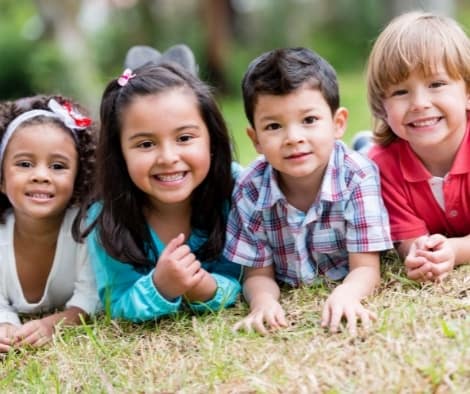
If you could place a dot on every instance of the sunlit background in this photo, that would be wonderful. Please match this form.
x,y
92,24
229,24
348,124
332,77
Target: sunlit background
x,y
75,47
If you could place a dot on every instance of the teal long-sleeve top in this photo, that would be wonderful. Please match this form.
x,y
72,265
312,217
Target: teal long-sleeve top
x,y
132,295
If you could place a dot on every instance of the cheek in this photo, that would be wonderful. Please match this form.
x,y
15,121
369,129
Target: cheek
x,y
134,167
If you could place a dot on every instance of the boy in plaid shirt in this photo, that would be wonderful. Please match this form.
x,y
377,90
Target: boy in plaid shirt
x,y
309,206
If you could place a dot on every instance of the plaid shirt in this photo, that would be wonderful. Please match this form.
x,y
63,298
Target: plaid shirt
x,y
347,216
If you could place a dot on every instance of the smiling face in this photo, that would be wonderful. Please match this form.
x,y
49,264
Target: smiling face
x,y
428,111
39,170
166,146
296,133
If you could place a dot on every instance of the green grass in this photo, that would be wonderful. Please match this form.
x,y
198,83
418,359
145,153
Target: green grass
x,y
353,97
419,344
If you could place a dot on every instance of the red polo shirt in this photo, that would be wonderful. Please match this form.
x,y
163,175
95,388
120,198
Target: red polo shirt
x,y
411,205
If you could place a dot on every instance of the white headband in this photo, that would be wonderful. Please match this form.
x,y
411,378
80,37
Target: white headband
x,y
71,119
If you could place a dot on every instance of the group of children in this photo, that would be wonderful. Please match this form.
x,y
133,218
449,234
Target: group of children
x,y
152,214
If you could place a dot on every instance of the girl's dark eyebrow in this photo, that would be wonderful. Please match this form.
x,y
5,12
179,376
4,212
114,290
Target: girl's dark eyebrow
x,y
20,154
140,135
146,134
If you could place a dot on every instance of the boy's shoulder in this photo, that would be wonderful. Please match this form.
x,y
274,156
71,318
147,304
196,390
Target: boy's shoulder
x,y
392,156
254,172
255,177
350,163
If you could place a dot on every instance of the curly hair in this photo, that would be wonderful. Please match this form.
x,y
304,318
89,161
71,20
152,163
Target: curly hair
x,y
121,225
85,143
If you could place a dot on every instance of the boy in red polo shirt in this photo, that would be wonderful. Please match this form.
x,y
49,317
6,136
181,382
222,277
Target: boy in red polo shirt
x,y
418,89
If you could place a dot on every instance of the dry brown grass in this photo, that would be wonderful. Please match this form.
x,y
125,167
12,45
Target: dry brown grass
x,y
420,344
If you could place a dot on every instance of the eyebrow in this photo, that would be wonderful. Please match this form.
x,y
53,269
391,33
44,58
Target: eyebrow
x,y
19,155
148,134
274,117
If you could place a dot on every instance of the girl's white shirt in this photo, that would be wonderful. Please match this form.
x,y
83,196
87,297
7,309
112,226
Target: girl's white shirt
x,y
71,281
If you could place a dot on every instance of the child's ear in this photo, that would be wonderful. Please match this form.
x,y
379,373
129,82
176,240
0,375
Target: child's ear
x,y
467,106
340,121
254,139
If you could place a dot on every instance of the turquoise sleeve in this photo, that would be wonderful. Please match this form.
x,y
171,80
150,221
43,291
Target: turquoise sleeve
x,y
125,292
226,295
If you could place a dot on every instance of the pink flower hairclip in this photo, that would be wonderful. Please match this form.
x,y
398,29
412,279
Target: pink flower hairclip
x,y
125,77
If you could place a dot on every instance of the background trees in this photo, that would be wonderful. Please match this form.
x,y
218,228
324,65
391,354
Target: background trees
x,y
75,46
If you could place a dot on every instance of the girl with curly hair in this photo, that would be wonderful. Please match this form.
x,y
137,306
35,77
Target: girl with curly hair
x,y
47,151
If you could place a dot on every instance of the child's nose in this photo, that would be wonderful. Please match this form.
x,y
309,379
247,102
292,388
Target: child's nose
x,y
41,174
294,134
420,99
167,154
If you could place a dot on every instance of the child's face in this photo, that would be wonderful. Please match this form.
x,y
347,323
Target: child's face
x,y
428,111
166,146
296,132
39,170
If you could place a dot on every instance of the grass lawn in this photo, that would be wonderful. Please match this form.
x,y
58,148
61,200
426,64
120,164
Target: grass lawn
x,y
420,344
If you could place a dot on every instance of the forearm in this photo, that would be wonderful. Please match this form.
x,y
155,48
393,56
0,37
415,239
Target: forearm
x,y
362,282
364,274
258,287
70,317
461,247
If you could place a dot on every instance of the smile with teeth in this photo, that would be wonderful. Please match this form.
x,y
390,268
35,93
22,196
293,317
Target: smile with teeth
x,y
177,176
39,195
425,122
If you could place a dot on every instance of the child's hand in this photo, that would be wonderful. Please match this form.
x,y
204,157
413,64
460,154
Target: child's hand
x,y
439,252
177,269
430,258
417,266
35,333
340,304
7,332
265,311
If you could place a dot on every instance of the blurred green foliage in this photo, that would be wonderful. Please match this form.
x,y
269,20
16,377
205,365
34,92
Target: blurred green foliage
x,y
28,65
342,31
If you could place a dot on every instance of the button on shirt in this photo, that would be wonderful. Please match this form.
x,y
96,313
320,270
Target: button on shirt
x,y
347,216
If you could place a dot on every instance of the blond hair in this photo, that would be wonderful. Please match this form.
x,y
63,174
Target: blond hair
x,y
415,40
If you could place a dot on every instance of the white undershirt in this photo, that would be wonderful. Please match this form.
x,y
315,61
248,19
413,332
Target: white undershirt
x,y
437,187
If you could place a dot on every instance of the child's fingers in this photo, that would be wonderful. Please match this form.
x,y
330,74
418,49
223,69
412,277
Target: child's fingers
x,y
180,252
275,320
335,319
24,332
435,241
173,245
414,262
366,318
420,273
351,318
5,348
251,322
281,319
243,325
258,325
42,341
326,316
196,274
189,262
5,344
441,268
